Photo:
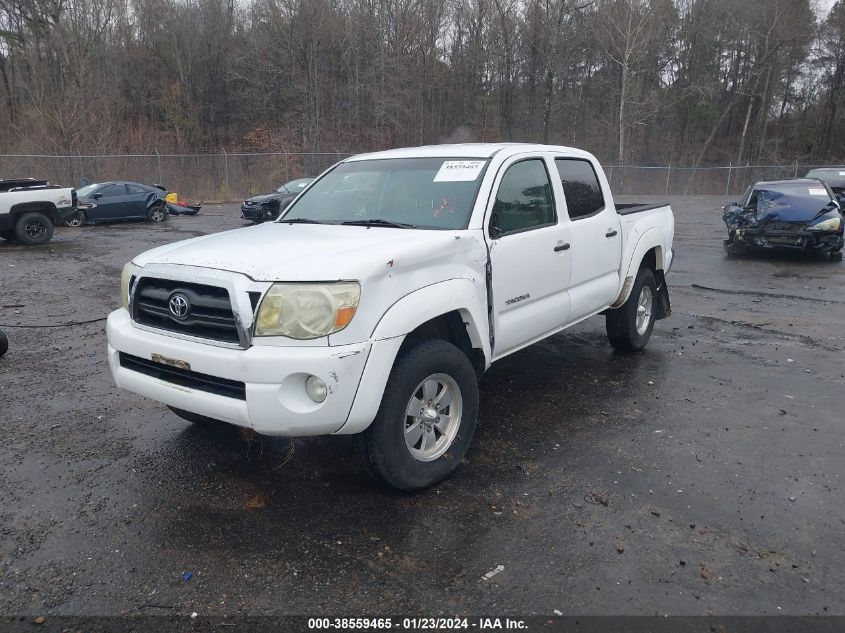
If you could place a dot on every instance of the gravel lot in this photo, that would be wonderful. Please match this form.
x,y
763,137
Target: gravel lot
x,y
702,476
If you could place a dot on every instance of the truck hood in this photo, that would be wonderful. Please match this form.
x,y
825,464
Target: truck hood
x,y
308,252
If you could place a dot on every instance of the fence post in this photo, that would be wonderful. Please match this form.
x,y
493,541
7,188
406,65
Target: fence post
x,y
81,171
796,169
287,164
226,170
730,173
158,163
668,173
610,177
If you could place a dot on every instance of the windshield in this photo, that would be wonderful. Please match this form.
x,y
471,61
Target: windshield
x,y
87,190
794,189
426,193
294,186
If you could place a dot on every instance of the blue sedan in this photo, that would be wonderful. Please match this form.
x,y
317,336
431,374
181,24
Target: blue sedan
x,y
119,200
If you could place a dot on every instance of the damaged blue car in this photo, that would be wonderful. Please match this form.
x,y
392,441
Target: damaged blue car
x,y
800,215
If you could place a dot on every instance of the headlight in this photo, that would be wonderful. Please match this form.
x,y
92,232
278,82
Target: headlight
x,y
826,225
306,311
129,271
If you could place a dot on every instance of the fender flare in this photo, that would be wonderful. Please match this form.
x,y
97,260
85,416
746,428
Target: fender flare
x,y
46,207
651,239
462,295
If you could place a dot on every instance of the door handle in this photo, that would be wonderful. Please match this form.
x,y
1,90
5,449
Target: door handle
x,y
561,247
610,233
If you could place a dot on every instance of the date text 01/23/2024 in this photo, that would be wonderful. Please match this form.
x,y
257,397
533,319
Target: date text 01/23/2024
x,y
416,624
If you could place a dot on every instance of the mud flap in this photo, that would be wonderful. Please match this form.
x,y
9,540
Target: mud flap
x,y
664,308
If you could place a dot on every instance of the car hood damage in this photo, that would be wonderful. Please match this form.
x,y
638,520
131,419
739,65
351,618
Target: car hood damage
x,y
305,252
781,220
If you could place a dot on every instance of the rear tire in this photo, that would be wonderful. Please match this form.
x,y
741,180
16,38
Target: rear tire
x,y
629,327
4,344
417,441
836,256
157,213
194,418
34,228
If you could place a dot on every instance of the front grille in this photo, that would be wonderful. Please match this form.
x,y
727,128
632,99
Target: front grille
x,y
184,377
210,315
792,227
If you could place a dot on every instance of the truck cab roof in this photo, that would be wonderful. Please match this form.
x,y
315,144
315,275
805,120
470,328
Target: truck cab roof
x,y
472,150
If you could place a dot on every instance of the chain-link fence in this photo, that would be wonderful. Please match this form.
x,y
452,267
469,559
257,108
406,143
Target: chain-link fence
x,y
710,180
222,176
229,176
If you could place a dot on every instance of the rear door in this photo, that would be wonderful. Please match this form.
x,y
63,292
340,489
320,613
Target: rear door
x,y
596,238
137,198
529,255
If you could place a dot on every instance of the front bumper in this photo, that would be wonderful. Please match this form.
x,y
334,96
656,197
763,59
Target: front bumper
x,y
256,212
790,240
274,399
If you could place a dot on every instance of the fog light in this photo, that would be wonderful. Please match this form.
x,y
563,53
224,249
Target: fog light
x,y
316,389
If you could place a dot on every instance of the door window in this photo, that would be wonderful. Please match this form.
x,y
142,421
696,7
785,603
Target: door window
x,y
135,189
112,191
524,199
580,187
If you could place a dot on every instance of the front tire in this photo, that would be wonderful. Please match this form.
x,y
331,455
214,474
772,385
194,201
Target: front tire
x,y
629,327
4,344
836,256
77,220
34,228
426,419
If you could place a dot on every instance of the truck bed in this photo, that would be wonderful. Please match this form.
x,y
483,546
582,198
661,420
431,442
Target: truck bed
x,y
636,207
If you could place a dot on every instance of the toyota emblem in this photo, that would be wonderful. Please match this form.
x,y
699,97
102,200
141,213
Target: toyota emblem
x,y
180,306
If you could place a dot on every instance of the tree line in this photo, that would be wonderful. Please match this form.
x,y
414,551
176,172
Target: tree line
x,y
637,81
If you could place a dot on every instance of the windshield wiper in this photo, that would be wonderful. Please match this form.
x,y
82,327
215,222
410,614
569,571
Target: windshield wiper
x,y
300,221
379,222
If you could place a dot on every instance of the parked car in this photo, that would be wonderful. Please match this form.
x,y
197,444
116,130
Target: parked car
x,y
268,206
833,177
119,200
375,310
790,215
30,209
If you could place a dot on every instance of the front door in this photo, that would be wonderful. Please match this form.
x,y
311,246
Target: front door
x,y
529,254
112,203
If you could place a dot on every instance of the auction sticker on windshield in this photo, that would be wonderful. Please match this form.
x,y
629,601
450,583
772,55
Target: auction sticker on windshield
x,y
818,192
459,171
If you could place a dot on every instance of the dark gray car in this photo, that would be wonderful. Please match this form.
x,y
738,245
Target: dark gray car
x,y
267,206
119,200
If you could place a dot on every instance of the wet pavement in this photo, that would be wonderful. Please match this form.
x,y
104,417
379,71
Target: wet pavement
x,y
701,476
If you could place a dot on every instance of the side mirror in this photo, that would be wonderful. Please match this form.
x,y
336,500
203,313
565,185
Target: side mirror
x,y
495,229
97,195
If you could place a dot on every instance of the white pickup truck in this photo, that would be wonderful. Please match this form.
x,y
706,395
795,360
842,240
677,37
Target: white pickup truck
x,y
30,209
375,303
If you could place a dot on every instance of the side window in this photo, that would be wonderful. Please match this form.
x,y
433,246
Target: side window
x,y
524,199
134,189
746,197
580,187
110,191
